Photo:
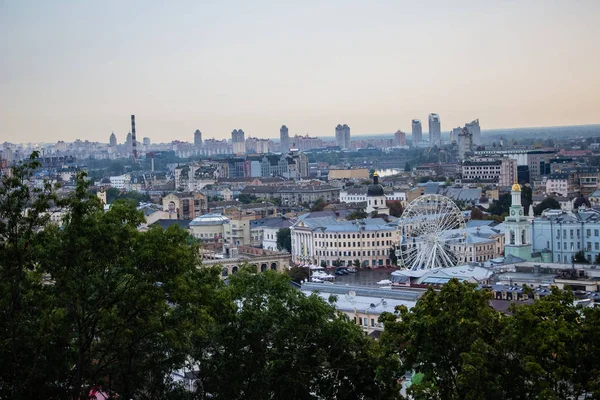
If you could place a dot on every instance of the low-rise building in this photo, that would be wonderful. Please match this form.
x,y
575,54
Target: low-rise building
x,y
185,205
327,240
500,171
565,233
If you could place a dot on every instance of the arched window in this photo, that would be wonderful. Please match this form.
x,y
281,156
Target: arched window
x,y
224,272
512,237
523,236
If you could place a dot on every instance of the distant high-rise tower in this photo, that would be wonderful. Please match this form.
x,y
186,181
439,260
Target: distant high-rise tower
x,y
435,130
342,136
417,131
465,143
146,141
128,142
339,136
238,141
347,136
454,134
113,140
198,138
475,130
400,138
284,139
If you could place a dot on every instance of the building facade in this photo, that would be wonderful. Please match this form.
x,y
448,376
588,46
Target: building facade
x,y
198,138
500,171
564,233
284,139
400,138
475,131
417,132
182,205
327,240
435,130
465,143
342,136
238,141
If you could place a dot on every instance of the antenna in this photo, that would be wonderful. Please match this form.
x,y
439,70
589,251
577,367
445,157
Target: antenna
x,y
133,139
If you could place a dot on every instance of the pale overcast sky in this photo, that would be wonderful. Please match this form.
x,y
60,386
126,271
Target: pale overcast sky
x,y
79,69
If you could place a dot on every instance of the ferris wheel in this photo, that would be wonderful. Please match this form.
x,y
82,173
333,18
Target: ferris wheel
x,y
433,234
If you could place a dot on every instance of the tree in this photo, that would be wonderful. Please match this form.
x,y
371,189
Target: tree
x,y
246,198
357,214
128,301
284,240
526,198
26,350
280,343
547,203
393,257
113,194
476,213
319,205
546,343
579,258
395,207
337,263
356,263
449,337
407,167
501,206
298,274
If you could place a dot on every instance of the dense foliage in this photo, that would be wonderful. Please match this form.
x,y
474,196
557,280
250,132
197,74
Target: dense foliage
x,y
548,203
96,304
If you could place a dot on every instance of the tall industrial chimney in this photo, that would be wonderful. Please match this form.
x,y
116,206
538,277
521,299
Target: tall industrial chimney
x,y
133,139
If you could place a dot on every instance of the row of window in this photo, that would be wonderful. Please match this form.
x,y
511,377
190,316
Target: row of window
x,y
354,235
588,233
589,246
365,253
354,244
364,322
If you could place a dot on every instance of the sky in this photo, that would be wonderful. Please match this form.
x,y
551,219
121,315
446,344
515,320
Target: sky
x,y
78,69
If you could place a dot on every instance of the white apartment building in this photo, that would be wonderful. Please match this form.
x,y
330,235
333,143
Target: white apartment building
x,y
501,171
327,240
558,185
120,182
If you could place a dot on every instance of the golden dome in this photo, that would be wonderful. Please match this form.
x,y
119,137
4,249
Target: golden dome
x,y
516,187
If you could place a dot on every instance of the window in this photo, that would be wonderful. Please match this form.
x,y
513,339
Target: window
x,y
596,246
372,322
595,232
588,232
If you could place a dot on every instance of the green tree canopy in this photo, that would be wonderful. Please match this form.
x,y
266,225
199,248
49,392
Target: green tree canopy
x,y
357,214
269,350
547,203
501,206
284,239
395,207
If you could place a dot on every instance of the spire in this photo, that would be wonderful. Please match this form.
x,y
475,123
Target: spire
x,y
375,178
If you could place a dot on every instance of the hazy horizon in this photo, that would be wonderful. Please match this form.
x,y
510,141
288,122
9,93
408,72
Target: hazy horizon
x,y
79,69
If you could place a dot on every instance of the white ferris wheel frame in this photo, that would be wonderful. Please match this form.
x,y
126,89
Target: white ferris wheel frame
x,y
433,234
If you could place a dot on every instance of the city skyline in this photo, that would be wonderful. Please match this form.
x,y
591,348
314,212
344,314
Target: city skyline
x,y
75,70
